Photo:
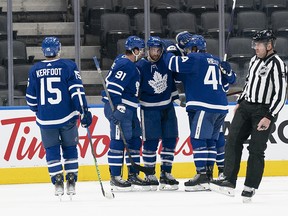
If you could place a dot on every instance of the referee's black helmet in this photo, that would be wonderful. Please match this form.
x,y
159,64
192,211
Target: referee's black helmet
x,y
264,36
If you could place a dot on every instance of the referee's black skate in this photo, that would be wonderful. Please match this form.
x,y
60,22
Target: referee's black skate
x,y
70,185
137,183
200,182
223,186
119,184
247,194
59,186
168,182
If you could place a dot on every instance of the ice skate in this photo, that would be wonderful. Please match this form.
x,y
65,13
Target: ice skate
x,y
59,186
70,185
153,182
223,186
118,184
168,182
137,183
247,194
199,183
221,176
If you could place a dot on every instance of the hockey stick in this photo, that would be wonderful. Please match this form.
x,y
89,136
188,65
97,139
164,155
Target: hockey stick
x,y
109,194
146,170
230,29
233,93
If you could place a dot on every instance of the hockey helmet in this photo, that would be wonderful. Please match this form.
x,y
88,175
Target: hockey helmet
x,y
264,35
154,42
51,46
183,38
197,41
134,42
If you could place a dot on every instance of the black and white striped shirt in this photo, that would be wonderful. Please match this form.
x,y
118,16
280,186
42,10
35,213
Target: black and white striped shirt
x,y
266,83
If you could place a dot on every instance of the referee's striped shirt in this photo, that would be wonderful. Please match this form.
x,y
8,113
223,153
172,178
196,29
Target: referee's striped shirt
x,y
266,83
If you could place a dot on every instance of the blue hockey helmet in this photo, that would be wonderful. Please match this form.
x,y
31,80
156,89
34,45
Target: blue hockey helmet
x,y
133,42
51,46
197,41
183,38
154,41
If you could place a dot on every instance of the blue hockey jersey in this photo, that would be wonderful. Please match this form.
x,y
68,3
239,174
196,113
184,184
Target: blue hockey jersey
x,y
202,80
55,92
157,86
123,81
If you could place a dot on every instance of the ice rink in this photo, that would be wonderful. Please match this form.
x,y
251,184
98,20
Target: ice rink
x,y
38,199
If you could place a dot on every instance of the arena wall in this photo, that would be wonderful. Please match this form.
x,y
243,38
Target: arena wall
x,y
22,157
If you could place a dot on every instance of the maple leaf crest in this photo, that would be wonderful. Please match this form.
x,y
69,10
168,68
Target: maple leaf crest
x,y
159,83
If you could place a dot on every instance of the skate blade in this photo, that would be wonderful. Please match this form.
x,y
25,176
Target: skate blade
x,y
140,188
153,187
196,188
247,200
222,190
120,189
167,187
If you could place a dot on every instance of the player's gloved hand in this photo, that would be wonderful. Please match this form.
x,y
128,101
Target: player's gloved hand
x,y
119,114
225,67
181,101
86,118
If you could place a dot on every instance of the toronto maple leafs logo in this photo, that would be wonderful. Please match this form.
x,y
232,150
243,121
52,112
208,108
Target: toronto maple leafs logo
x,y
159,82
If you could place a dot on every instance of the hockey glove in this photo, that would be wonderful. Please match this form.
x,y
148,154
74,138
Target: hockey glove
x,y
86,118
225,67
119,114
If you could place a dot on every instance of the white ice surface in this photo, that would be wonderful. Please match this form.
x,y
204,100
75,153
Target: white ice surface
x,y
38,199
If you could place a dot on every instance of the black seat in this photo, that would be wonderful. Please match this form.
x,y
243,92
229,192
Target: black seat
x,y
121,46
281,47
279,22
249,22
212,46
21,73
3,78
114,26
239,50
132,7
3,27
241,5
156,25
164,7
92,11
269,6
200,6
178,22
19,52
210,23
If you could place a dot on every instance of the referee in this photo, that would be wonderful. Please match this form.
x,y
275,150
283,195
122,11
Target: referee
x,y
263,96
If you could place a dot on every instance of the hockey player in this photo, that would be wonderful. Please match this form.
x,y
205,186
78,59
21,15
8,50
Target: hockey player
x,y
158,117
228,77
206,105
55,93
123,82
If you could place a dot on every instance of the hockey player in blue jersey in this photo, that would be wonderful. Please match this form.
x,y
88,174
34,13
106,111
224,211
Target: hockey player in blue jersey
x,y
206,105
158,117
55,93
122,83
228,77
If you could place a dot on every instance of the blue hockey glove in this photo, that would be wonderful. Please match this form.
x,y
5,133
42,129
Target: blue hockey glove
x,y
119,114
225,67
86,118
183,38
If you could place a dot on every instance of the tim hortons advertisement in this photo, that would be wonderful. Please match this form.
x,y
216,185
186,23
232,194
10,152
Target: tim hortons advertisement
x,y
21,146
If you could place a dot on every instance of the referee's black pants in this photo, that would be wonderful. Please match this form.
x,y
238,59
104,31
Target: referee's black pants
x,y
244,124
